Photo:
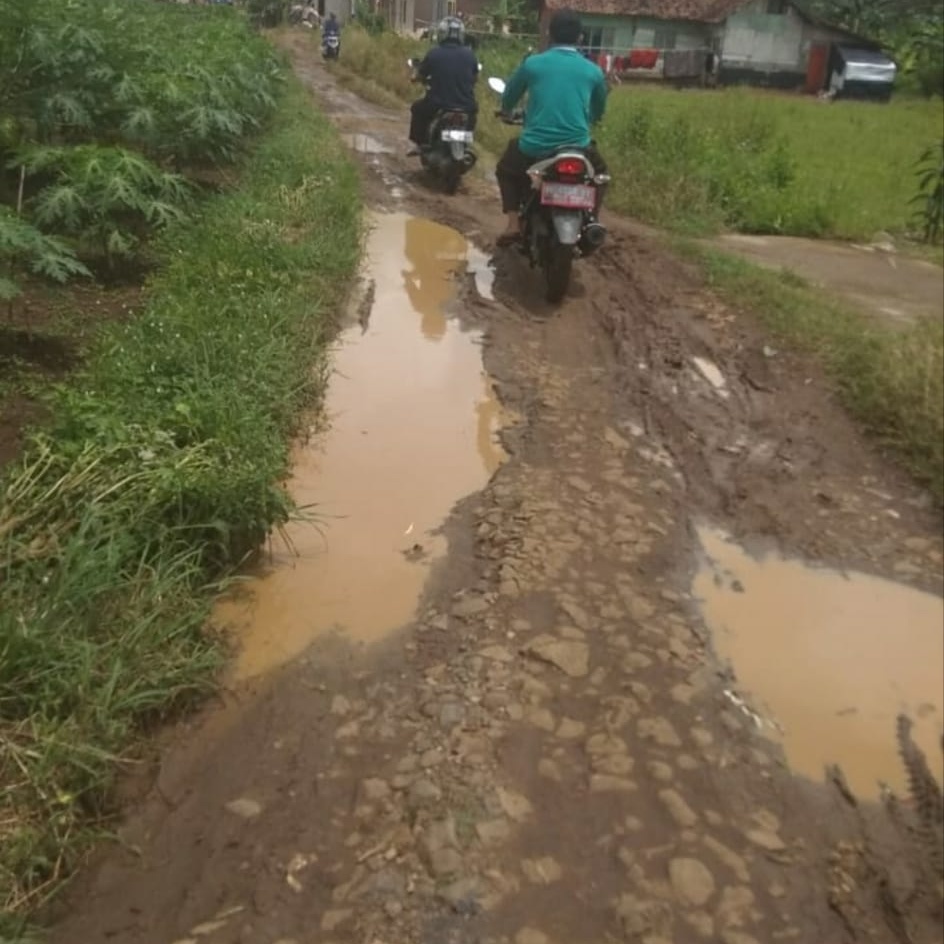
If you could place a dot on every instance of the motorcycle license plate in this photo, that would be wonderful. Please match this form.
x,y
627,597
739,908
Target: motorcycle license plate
x,y
572,196
451,134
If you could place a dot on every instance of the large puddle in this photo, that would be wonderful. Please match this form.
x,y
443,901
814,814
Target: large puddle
x,y
413,429
830,659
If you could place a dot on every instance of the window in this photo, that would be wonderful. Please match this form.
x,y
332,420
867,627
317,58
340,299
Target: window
x,y
777,7
599,39
664,37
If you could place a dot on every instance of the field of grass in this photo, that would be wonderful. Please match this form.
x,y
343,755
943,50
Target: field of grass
x,y
738,159
160,467
891,381
764,163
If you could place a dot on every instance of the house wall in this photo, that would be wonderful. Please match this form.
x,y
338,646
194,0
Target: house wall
x,y
342,9
619,33
756,44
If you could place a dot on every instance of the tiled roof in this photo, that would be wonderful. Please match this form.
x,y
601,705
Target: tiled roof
x,y
700,11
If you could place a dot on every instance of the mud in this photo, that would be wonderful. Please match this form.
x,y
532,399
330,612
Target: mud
x,y
829,659
546,754
413,427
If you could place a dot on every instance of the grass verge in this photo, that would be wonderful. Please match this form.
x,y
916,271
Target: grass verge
x,y
892,381
161,467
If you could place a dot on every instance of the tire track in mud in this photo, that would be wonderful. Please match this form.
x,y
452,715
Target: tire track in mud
x,y
546,755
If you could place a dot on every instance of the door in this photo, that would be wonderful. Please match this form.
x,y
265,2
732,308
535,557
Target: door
x,y
816,68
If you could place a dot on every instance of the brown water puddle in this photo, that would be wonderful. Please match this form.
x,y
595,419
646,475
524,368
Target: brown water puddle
x,y
413,429
831,658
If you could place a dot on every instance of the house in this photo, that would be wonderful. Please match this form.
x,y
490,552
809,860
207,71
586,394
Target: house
x,y
760,42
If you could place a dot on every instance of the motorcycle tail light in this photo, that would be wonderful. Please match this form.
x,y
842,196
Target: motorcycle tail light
x,y
570,167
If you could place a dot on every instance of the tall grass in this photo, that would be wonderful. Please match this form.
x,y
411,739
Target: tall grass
x,y
161,467
764,163
736,159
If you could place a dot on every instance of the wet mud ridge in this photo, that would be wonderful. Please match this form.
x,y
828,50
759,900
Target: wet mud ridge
x,y
552,747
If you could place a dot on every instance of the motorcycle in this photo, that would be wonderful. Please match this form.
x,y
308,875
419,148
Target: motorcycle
x,y
448,153
331,46
558,217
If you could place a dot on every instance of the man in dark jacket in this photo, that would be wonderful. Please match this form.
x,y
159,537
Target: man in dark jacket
x,y
450,70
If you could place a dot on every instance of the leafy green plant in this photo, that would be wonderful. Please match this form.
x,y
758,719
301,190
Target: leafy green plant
x,y
107,198
930,196
25,248
161,466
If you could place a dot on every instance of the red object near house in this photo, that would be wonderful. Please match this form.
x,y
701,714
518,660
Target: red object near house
x,y
643,58
816,68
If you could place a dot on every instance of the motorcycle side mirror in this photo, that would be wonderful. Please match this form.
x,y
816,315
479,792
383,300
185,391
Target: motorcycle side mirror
x,y
496,84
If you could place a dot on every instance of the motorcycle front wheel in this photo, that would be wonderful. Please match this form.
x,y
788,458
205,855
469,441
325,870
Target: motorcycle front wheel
x,y
558,262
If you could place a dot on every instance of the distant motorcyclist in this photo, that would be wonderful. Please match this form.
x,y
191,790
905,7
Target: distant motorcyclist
x,y
331,26
566,95
449,70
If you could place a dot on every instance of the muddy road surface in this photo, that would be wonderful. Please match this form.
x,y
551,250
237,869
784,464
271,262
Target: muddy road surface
x,y
597,597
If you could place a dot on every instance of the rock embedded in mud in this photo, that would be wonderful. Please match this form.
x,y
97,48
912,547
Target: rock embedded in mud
x,y
469,606
244,808
766,840
516,806
570,656
660,731
678,809
542,871
691,880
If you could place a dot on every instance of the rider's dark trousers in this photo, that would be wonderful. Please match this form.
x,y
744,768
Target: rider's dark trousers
x,y
422,112
512,174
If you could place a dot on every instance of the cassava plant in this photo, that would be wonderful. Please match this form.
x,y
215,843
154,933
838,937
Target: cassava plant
x,y
23,248
107,198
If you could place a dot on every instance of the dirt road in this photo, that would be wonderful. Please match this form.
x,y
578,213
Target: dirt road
x,y
549,751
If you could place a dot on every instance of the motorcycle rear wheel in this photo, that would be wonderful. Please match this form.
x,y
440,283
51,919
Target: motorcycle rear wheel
x,y
558,263
451,180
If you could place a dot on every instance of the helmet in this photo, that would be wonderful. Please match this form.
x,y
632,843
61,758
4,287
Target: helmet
x,y
451,30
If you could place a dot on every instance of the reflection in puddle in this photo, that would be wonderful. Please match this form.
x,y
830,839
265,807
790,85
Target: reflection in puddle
x,y
832,658
414,424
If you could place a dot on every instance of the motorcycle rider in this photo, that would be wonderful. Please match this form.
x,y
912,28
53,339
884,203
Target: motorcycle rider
x,y
330,27
566,95
450,70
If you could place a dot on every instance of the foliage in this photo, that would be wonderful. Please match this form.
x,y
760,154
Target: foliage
x,y
179,85
930,196
369,19
161,467
108,198
25,248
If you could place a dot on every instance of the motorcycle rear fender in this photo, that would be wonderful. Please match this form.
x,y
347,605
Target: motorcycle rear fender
x,y
457,149
567,225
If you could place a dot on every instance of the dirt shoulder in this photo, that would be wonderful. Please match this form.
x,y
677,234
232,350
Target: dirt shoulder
x,y
876,279
546,755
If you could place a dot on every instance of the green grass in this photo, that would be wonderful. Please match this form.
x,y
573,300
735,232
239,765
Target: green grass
x,y
702,161
892,381
161,467
765,163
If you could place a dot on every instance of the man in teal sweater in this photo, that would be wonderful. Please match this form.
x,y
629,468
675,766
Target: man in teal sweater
x,y
566,95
